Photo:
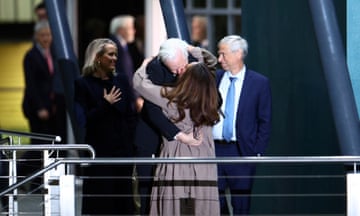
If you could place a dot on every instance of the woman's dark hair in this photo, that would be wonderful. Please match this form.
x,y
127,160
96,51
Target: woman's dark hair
x,y
195,90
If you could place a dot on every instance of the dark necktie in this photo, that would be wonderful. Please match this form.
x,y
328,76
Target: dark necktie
x,y
128,64
49,61
229,111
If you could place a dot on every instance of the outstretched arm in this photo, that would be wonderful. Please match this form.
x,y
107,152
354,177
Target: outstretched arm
x,y
147,89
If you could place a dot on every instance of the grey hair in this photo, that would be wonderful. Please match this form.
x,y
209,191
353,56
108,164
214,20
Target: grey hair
x,y
235,43
94,49
119,22
41,25
170,48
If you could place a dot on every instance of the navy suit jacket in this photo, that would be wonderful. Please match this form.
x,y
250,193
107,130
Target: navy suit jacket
x,y
153,123
108,127
38,83
253,117
122,64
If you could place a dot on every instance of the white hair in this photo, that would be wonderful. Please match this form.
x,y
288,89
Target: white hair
x,y
41,25
235,43
120,22
171,47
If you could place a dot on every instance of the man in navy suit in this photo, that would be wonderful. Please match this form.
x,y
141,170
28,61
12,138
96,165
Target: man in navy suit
x,y
122,32
38,103
244,130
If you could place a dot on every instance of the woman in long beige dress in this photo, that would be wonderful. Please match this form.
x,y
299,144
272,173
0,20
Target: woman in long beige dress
x,y
186,189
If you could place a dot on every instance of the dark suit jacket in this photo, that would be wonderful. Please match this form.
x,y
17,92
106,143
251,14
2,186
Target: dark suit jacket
x,y
123,65
108,128
38,83
253,118
253,122
153,122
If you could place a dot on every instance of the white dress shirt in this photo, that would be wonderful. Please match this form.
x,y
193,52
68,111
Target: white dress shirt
x,y
223,88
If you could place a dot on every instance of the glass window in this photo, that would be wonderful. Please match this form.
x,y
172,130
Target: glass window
x,y
223,17
237,24
237,3
221,29
199,4
220,3
17,11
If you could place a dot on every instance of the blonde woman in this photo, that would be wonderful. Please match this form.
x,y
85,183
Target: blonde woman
x,y
105,99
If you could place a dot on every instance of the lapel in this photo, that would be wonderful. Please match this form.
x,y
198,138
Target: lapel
x,y
247,83
219,76
246,88
42,61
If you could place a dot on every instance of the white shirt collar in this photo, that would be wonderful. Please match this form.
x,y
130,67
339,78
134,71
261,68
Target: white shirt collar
x,y
239,76
121,40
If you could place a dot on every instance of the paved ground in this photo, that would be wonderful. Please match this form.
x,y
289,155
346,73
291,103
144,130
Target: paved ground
x,y
28,204
31,204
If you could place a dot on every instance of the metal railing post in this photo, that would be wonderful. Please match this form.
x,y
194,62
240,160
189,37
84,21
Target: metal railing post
x,y
13,203
67,195
352,191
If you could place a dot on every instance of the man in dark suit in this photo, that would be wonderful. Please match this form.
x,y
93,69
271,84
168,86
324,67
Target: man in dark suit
x,y
245,128
39,105
58,88
122,32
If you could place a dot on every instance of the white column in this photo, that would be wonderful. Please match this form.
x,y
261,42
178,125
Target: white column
x,y
72,16
154,27
52,186
353,194
67,195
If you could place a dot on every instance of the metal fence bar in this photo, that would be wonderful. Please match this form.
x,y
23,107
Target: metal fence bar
x,y
53,165
182,160
258,159
39,136
42,147
254,159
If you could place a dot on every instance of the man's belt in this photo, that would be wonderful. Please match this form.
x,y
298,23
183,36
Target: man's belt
x,y
224,142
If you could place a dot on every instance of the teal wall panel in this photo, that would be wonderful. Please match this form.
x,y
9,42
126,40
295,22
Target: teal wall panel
x,y
353,46
282,46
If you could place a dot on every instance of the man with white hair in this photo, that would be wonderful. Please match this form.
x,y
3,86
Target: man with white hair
x,y
39,104
122,32
163,70
245,128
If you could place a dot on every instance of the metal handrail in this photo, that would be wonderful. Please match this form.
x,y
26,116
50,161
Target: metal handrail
x,y
4,140
42,147
255,159
39,136
182,160
250,159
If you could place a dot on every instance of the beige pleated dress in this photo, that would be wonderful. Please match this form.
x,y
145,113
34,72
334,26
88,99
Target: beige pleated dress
x,y
181,189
